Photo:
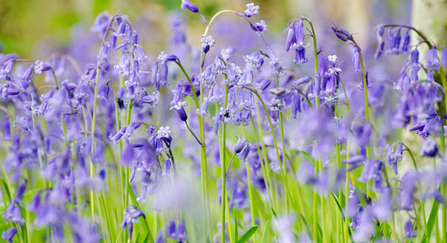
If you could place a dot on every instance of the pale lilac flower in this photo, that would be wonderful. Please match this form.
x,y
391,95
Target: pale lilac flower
x,y
252,10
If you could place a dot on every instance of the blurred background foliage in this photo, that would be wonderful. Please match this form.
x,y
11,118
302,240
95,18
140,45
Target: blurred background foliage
x,y
31,27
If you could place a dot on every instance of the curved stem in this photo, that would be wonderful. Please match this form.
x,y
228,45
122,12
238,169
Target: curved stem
x,y
267,182
274,140
425,39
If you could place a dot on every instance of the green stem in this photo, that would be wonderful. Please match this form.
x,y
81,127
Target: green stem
x,y
444,186
250,193
274,140
223,165
267,182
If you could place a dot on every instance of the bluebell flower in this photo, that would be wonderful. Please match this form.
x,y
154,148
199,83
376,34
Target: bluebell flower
x,y
356,60
240,145
14,214
207,43
404,47
22,123
444,57
408,182
372,170
300,56
252,10
207,77
354,161
394,157
276,64
19,196
40,67
395,49
259,27
432,61
130,216
101,22
6,129
26,77
341,33
9,234
226,53
291,38
6,71
180,108
429,148
383,209
177,232
118,135
165,134
253,62
188,5
409,232
129,130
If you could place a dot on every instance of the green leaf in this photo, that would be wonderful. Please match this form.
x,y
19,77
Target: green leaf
x,y
248,234
132,196
264,234
273,211
431,222
235,227
5,186
146,239
308,157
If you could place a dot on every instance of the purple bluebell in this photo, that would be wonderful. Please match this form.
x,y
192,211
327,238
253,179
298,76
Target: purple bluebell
x,y
356,60
41,67
6,129
240,145
14,214
6,71
409,232
180,108
26,76
177,232
253,62
188,5
444,57
404,47
408,182
103,93
372,170
252,10
355,161
291,38
383,209
9,234
394,157
130,216
429,148
130,129
431,61
101,23
259,27
118,135
19,196
341,33
207,43
22,123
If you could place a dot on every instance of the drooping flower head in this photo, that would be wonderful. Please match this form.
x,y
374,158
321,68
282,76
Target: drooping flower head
x,y
252,10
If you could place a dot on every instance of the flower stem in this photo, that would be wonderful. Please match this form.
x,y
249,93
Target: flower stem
x,y
223,165
250,192
444,184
